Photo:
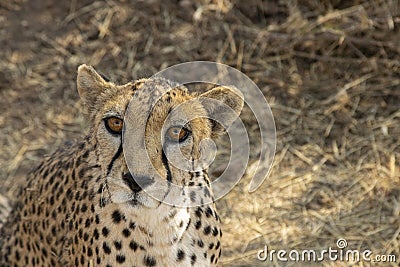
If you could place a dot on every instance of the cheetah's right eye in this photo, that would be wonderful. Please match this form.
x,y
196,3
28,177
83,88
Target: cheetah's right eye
x,y
114,125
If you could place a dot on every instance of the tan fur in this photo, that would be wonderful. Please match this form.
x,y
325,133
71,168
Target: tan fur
x,y
76,209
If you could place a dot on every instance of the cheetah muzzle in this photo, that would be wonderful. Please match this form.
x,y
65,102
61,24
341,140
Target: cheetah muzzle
x,y
84,205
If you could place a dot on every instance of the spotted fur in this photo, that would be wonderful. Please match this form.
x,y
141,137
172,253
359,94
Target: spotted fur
x,y
81,206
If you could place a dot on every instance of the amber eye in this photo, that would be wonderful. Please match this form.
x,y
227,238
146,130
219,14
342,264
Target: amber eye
x,y
177,134
114,125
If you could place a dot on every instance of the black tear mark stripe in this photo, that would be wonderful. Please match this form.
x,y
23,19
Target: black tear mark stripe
x,y
119,151
116,155
164,160
166,166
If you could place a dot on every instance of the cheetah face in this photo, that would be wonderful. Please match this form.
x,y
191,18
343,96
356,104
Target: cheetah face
x,y
144,130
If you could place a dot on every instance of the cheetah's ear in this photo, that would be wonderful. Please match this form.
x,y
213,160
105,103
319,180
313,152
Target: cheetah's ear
x,y
90,85
223,105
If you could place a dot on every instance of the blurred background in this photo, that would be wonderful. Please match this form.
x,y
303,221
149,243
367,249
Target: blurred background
x,y
329,69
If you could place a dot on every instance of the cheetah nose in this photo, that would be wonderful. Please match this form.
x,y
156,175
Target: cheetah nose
x,y
133,185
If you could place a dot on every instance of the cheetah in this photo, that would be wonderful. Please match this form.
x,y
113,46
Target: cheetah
x,y
83,206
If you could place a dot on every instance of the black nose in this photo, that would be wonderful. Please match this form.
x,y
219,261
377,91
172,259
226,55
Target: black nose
x,y
133,185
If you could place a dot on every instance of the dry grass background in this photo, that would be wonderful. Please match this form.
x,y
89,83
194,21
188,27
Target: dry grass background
x,y
329,69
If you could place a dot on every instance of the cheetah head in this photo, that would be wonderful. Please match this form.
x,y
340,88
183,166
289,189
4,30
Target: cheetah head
x,y
156,132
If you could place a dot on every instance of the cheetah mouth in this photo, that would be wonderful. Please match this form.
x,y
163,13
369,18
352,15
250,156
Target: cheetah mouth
x,y
136,199
134,202
140,199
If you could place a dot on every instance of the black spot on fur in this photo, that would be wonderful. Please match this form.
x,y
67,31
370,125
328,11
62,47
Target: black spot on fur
x,y
117,245
85,237
84,207
89,252
212,258
207,230
209,212
215,231
120,258
105,231
126,232
97,220
117,216
149,261
180,255
193,259
198,212
106,248
133,245
96,234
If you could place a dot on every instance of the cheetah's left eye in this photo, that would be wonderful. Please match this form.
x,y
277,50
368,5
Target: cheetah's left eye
x,y
177,134
114,125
